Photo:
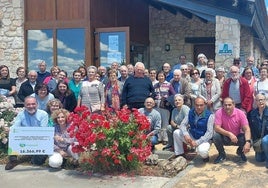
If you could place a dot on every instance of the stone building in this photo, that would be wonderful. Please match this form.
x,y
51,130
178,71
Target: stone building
x,y
156,31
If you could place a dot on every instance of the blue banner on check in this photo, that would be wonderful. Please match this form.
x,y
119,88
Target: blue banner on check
x,y
31,141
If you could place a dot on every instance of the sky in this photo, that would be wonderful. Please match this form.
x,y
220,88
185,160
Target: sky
x,y
266,3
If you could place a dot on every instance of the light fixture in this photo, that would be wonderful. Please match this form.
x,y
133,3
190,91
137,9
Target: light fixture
x,y
167,47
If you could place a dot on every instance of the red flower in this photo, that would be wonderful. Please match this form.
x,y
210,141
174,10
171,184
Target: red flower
x,y
130,157
106,152
113,140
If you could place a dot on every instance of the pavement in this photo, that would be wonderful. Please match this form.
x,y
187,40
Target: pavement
x,y
230,173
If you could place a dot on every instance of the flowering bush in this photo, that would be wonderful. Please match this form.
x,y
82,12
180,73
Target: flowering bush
x,y
7,116
111,140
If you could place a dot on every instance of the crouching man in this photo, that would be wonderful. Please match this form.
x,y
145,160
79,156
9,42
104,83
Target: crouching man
x,y
196,130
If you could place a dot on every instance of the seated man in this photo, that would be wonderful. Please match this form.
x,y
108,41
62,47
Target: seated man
x,y
154,117
199,134
29,117
229,121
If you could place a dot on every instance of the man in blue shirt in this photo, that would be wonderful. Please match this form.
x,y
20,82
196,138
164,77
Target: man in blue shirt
x,y
137,88
29,117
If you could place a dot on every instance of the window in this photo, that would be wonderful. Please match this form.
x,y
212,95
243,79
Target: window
x,y
68,46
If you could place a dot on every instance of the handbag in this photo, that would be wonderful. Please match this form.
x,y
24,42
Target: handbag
x,y
257,144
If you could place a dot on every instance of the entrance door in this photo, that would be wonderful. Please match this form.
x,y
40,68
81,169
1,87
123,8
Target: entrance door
x,y
207,49
111,45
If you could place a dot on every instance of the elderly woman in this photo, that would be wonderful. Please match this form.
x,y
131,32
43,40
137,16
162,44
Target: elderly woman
x,y
54,71
52,105
177,115
7,84
52,84
42,96
163,90
92,92
113,90
62,140
210,90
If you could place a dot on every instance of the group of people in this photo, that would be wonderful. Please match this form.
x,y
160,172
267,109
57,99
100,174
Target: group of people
x,y
188,104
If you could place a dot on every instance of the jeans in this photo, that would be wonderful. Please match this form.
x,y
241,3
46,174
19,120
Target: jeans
x,y
154,140
263,156
220,141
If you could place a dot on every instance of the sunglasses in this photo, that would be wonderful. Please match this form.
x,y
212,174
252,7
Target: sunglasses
x,y
195,73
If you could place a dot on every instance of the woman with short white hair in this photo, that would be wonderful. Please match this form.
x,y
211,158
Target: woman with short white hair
x,y
210,90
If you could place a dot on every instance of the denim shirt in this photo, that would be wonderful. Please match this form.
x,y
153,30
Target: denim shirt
x,y
38,119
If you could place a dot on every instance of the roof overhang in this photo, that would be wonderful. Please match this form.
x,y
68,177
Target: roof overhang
x,y
249,13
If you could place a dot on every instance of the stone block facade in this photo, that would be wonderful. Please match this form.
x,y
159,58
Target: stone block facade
x,y
167,28
12,34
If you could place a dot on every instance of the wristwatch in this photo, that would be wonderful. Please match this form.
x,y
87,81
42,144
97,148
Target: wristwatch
x,y
249,141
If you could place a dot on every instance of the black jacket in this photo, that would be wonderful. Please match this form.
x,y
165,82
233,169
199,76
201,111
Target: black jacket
x,y
25,90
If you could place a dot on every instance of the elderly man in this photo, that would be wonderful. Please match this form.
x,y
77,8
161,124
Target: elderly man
x,y
250,63
137,88
124,74
181,86
42,73
103,77
27,88
154,118
238,89
258,119
229,121
200,122
29,117
167,70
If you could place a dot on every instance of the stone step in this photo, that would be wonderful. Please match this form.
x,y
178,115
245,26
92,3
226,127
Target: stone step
x,y
163,154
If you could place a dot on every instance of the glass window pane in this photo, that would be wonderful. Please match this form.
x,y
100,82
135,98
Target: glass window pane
x,y
70,49
40,47
112,48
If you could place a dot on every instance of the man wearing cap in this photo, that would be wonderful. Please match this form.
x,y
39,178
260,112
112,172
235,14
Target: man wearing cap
x,y
202,62
237,62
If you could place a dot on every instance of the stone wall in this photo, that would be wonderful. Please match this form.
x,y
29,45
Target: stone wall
x,y
227,31
167,28
12,34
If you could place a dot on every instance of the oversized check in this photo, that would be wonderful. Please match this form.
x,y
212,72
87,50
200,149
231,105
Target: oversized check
x,y
31,141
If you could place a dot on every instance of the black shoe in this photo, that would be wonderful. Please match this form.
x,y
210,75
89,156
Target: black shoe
x,y
219,159
167,148
242,155
164,142
11,164
205,160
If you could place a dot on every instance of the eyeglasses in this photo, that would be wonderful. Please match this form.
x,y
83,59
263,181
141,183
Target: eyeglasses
x,y
195,73
260,100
